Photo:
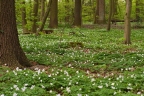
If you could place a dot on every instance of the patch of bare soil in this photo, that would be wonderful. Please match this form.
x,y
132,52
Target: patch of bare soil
x,y
36,66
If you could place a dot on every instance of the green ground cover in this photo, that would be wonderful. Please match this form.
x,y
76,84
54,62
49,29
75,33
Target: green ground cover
x,y
81,62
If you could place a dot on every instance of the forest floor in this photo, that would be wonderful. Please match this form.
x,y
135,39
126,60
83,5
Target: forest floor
x,y
86,61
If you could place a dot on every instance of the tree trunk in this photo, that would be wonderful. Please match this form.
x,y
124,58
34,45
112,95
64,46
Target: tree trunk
x,y
110,15
45,17
115,4
101,16
96,13
77,13
11,53
67,17
54,14
138,4
24,21
42,9
127,32
35,16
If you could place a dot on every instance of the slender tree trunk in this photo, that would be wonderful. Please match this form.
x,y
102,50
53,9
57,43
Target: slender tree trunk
x,y
138,4
42,9
35,15
54,14
127,31
67,17
24,21
110,15
11,53
96,13
45,17
115,7
77,13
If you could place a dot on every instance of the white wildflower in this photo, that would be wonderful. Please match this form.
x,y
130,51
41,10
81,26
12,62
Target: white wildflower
x,y
77,72
14,94
25,84
79,94
100,86
58,95
113,84
113,87
51,84
68,89
49,75
115,93
138,92
50,91
32,86
130,88
92,80
42,86
14,72
7,71
24,88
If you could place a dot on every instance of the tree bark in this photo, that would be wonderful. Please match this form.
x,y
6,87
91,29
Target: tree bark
x,y
11,53
77,13
42,9
45,17
24,21
67,17
127,31
96,13
110,15
35,16
101,16
138,5
54,14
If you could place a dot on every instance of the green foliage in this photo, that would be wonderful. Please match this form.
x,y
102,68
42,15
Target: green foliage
x,y
102,67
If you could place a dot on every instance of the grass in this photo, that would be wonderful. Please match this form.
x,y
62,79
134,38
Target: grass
x,y
82,62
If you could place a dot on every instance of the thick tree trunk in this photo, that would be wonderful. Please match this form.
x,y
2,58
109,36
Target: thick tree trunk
x,y
77,13
24,21
127,32
11,52
35,15
54,14
101,16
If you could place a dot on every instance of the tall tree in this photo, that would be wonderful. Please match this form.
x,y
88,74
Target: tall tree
x,y
67,17
24,21
42,9
11,52
54,14
127,31
77,13
111,3
35,16
45,17
138,9
101,11
114,7
96,13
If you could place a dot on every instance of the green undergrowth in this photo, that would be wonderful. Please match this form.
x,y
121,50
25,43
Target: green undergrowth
x,y
82,62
